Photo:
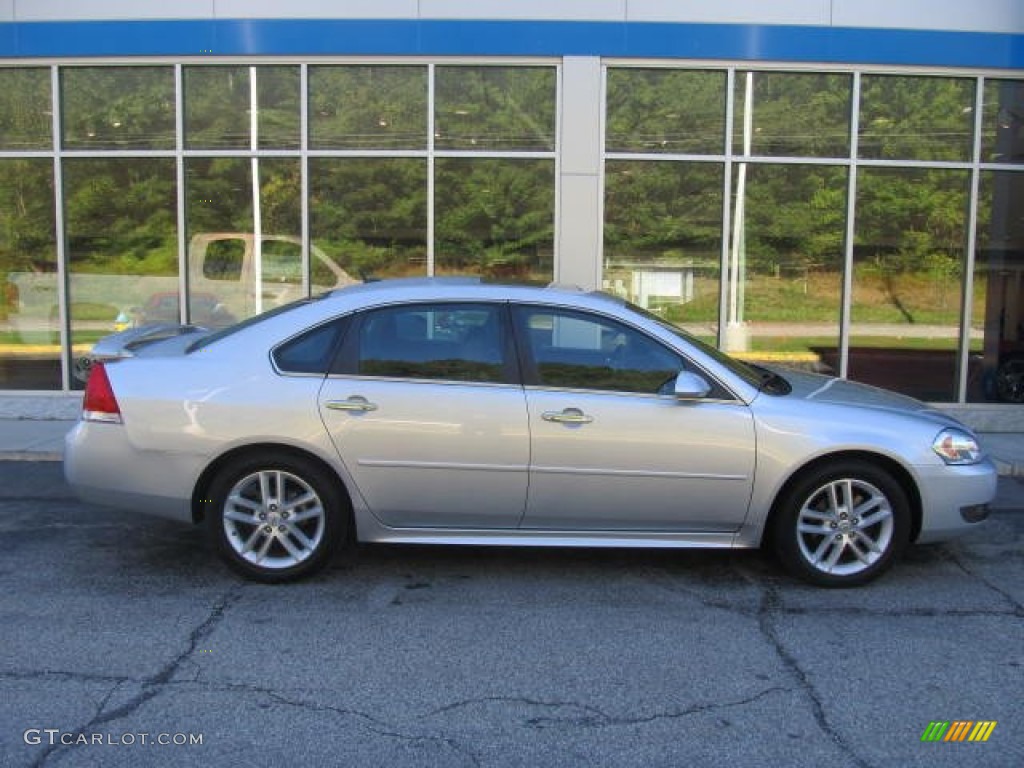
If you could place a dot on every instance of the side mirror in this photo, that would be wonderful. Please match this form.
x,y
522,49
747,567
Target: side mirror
x,y
690,386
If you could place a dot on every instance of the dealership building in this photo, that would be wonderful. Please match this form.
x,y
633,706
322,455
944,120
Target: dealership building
x,y
832,184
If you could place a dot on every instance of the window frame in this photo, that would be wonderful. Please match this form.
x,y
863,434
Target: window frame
x,y
345,323
531,374
347,359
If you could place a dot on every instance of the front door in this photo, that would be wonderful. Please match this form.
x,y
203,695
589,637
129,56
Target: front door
x,y
612,448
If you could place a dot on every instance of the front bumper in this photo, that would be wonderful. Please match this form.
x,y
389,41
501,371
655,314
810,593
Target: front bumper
x,y
954,498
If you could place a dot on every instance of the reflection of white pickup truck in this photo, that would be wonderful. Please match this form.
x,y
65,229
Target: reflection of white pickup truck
x,y
229,279
227,268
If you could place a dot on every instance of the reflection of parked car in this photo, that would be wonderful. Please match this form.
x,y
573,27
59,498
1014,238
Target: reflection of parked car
x,y
450,411
204,309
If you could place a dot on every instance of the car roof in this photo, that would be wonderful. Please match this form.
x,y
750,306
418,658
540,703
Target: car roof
x,y
468,288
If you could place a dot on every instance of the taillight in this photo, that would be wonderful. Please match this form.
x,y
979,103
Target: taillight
x,y
99,403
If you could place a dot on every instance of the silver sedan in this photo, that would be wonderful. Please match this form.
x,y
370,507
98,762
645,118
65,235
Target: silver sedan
x,y
455,412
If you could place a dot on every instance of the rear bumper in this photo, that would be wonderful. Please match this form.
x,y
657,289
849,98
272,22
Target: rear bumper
x,y
103,468
953,498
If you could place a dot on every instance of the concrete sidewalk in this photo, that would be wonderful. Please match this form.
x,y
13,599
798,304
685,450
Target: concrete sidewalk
x,y
43,440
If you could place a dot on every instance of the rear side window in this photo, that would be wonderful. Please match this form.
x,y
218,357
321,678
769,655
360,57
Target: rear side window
x,y
312,351
451,342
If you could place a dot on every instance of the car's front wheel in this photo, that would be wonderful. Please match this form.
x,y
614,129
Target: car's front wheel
x,y
842,525
276,518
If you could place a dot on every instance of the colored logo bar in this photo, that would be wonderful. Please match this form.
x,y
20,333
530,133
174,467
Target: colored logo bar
x,y
958,730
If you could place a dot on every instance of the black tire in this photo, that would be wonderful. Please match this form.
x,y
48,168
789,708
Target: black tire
x,y
266,540
864,520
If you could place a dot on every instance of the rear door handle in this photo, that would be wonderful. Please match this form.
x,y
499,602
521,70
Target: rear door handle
x,y
356,403
567,416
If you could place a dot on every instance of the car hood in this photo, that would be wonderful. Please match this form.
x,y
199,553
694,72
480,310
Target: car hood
x,y
814,387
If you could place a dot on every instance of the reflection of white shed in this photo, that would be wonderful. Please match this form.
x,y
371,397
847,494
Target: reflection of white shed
x,y
652,285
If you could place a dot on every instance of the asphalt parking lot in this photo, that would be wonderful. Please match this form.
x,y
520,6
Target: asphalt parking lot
x,y
126,643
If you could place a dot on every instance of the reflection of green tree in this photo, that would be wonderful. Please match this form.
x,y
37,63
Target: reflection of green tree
x,y
27,226
916,118
795,219
218,194
118,107
796,114
120,215
911,227
217,106
368,107
495,217
370,215
495,108
663,110
25,108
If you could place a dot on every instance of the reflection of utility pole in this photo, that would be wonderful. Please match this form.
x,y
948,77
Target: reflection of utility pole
x,y
736,335
257,222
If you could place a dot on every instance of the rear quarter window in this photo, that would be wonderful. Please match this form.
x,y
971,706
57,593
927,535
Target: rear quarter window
x,y
310,352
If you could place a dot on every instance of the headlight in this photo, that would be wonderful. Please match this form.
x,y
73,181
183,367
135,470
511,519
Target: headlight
x,y
957,447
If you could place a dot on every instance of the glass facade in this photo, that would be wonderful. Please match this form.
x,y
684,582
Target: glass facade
x,y
873,227
207,193
860,222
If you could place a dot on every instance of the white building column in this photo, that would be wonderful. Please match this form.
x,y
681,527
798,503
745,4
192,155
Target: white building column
x,y
579,210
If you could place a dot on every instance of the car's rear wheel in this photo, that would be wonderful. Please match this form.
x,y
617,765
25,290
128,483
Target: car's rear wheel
x,y
842,525
277,518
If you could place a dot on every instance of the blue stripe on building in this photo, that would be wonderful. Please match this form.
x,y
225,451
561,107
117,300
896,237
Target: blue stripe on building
x,y
312,37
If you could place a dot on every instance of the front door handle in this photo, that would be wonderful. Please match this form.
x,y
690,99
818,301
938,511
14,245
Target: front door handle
x,y
567,416
356,403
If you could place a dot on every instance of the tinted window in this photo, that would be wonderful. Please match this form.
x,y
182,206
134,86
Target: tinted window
x,y
579,351
454,342
312,351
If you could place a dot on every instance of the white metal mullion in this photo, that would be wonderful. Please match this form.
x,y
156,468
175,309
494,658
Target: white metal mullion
x,y
179,173
431,72
257,218
846,309
967,304
723,265
304,176
60,235
602,168
556,225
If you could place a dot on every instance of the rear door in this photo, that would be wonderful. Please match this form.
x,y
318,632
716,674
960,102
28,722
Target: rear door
x,y
426,411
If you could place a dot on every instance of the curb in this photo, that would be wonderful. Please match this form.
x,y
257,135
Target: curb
x,y
1008,468
31,456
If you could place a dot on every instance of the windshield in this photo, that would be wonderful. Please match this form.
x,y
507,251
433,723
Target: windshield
x,y
753,375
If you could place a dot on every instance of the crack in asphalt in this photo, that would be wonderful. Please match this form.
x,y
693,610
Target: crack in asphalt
x,y
83,677
376,725
597,718
1018,607
152,686
662,580
765,619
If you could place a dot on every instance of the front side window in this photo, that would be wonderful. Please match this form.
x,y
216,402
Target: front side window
x,y
574,350
450,342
